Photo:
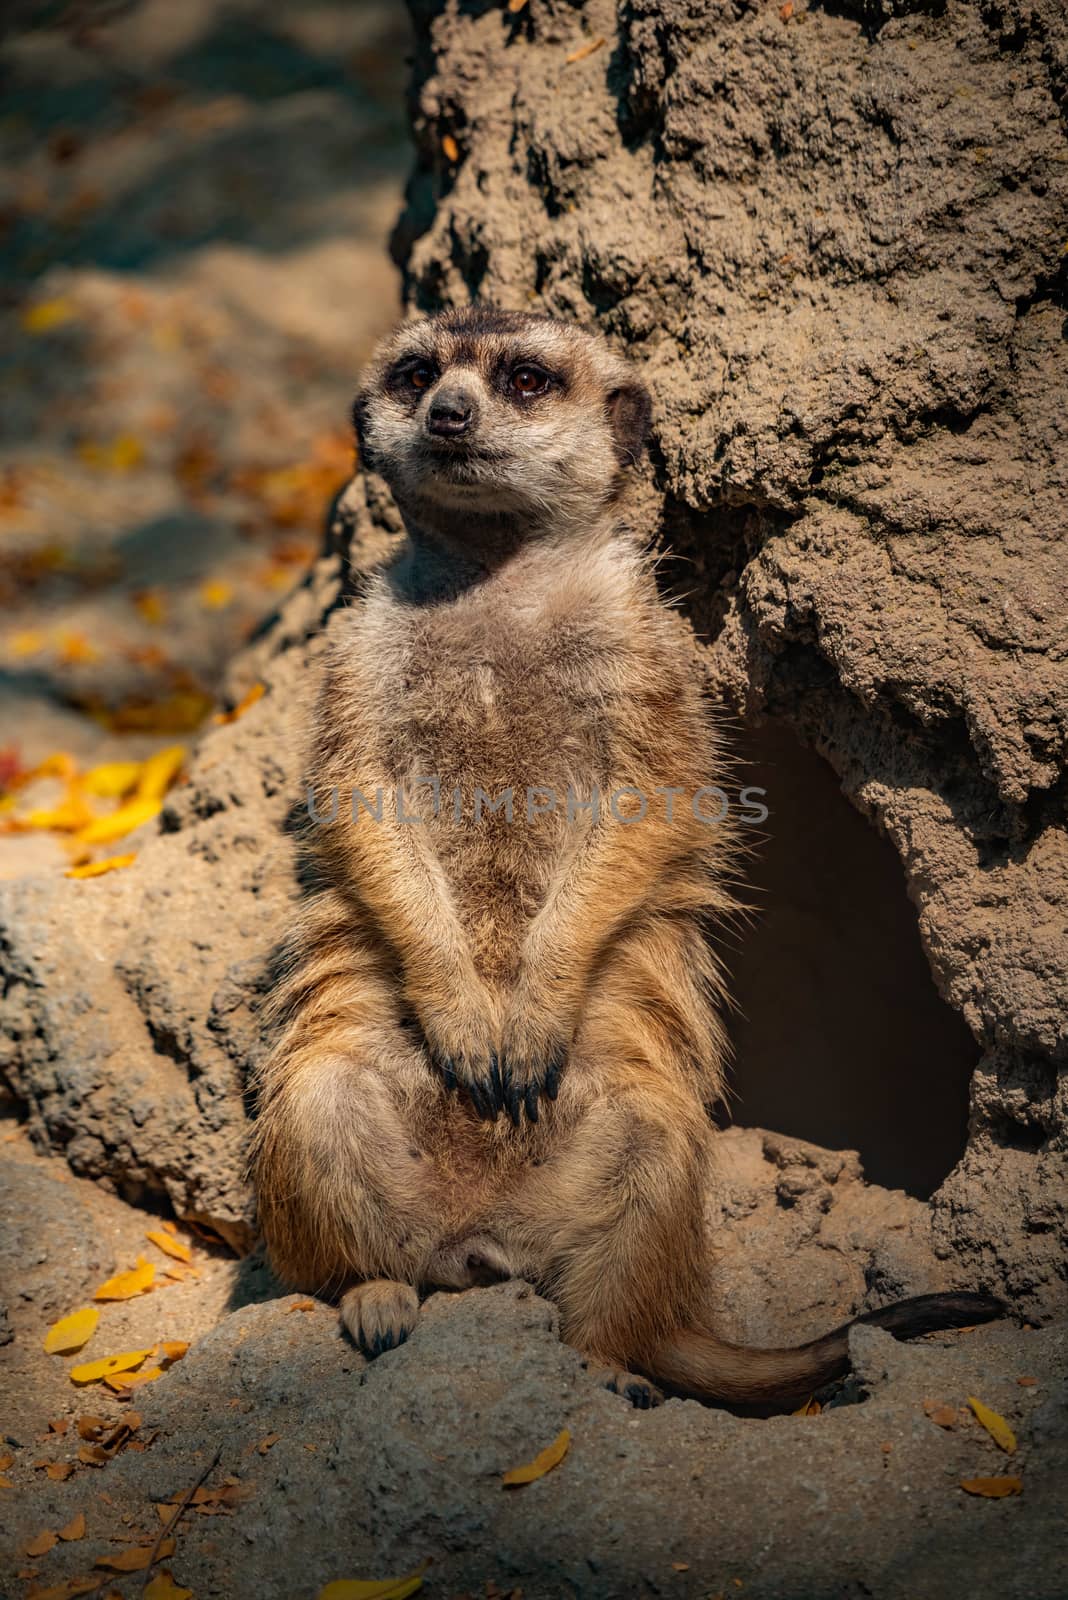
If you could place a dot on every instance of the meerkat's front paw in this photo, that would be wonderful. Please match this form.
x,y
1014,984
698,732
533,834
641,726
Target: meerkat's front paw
x,y
532,1059
380,1314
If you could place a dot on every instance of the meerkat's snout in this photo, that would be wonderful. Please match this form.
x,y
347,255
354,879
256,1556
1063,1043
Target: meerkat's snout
x,y
452,412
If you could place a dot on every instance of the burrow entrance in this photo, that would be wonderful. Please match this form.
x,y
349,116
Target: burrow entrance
x,y
841,1037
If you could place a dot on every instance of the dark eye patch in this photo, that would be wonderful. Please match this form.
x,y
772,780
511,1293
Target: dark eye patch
x,y
411,376
510,366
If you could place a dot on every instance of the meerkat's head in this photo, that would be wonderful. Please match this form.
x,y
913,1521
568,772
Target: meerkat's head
x,y
479,412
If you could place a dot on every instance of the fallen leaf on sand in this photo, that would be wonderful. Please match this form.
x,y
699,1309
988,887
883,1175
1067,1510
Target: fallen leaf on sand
x,y
116,455
940,1414
516,5
108,1366
1027,1383
995,1425
163,1587
59,1471
122,1383
543,1462
584,50
169,1245
810,1408
160,771
70,1333
112,779
5,1483
300,1305
450,149
48,314
97,869
257,692
6,1460
132,815
374,1588
150,605
215,594
266,1444
75,1528
41,1543
992,1488
135,1559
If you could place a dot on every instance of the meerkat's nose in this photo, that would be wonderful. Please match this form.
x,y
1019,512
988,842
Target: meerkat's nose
x,y
451,414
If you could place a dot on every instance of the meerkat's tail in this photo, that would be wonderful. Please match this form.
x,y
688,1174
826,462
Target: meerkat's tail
x,y
701,1365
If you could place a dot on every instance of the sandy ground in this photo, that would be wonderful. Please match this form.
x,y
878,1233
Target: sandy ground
x,y
195,204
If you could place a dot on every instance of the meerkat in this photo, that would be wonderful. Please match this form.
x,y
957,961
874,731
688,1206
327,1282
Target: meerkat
x,y
499,1030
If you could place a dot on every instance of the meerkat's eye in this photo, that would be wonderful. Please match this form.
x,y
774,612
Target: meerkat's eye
x,y
529,380
422,376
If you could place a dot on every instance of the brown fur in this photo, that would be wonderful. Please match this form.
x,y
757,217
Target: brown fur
x,y
518,641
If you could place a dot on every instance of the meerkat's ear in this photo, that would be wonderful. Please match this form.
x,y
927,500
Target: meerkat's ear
x,y
630,410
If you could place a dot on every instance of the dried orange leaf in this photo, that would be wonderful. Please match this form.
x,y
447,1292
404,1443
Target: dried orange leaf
x,y
584,50
173,1349
128,817
992,1488
267,1443
75,1528
516,5
41,1543
160,771
163,1587
124,1285
107,1366
166,1513
543,1462
995,1425
97,869
374,1588
450,149
116,455
5,1483
300,1305
135,1559
150,605
6,1460
1027,1383
59,1471
70,1333
248,700
169,1245
89,1427
941,1415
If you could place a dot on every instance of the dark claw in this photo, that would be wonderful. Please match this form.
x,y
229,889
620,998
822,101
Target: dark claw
x,y
478,1101
531,1098
552,1077
374,1347
496,1086
511,1097
449,1076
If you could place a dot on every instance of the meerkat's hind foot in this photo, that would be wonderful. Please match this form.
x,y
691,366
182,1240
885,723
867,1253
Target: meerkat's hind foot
x,y
642,1394
379,1314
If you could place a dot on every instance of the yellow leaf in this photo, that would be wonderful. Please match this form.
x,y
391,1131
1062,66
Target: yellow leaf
x,y
159,772
124,1285
97,869
75,1528
48,314
543,1462
215,595
169,1245
122,1382
70,1333
173,1349
163,1587
118,455
995,1425
374,1588
107,1366
27,642
136,1559
113,779
71,814
992,1488
40,1544
128,817
74,647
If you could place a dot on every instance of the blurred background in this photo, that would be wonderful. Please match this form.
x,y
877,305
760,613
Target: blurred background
x,y
195,205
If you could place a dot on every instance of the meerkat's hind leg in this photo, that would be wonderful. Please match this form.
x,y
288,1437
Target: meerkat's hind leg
x,y
642,1393
379,1314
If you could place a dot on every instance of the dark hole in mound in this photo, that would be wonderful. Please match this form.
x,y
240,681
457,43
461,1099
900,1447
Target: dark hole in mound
x,y
841,1036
